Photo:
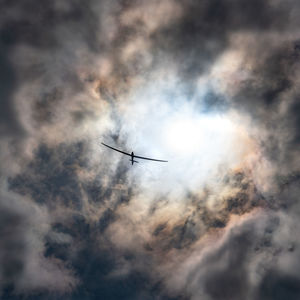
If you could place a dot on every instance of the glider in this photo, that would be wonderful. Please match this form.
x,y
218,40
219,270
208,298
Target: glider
x,y
134,156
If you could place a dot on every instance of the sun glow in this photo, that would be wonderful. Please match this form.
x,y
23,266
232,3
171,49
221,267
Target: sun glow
x,y
199,146
188,135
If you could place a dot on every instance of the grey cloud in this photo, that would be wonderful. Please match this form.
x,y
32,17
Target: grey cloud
x,y
202,34
272,86
278,286
58,214
257,258
52,177
23,270
225,271
13,244
8,116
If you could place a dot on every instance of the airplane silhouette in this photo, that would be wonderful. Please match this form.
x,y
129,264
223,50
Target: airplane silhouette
x,y
134,156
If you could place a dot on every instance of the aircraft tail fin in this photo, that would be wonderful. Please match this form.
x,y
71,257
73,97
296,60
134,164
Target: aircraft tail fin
x,y
134,161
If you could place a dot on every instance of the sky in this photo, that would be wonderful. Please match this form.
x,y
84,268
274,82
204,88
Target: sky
x,y
212,86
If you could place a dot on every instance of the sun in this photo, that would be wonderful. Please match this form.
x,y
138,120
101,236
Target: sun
x,y
198,133
182,135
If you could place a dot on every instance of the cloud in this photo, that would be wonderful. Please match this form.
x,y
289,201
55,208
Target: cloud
x,y
219,221
24,269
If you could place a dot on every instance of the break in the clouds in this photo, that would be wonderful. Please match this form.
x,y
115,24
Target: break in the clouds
x,y
211,86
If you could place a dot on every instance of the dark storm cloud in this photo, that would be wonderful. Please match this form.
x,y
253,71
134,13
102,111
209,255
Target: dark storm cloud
x,y
9,122
294,120
22,267
51,177
202,34
225,270
278,286
274,75
230,282
13,243
38,46
274,85
36,24
51,180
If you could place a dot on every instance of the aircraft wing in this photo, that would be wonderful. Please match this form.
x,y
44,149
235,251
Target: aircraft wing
x,y
141,157
116,149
